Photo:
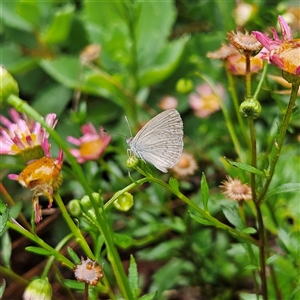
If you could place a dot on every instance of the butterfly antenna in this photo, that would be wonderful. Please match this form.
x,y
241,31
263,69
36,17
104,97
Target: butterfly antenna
x,y
128,125
114,133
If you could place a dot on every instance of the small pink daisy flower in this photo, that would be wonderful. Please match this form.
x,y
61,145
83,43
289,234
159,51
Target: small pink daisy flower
x,y
21,135
283,53
91,145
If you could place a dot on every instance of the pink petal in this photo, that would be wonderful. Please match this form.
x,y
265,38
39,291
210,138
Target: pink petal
x,y
74,141
285,29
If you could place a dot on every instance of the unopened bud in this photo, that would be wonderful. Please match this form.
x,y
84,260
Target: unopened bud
x,y
184,85
124,202
250,109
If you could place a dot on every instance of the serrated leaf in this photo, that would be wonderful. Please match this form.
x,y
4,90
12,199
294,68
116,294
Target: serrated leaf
x,y
133,277
285,188
246,168
74,256
200,220
38,250
204,192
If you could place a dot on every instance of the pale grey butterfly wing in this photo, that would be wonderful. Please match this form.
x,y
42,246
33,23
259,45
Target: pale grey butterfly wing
x,y
160,141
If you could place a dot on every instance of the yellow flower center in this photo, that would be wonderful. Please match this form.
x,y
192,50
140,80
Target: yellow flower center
x,y
16,149
90,148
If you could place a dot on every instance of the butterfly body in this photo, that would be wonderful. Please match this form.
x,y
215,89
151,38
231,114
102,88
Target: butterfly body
x,y
160,141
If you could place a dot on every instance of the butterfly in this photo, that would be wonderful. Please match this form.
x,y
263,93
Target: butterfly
x,y
160,141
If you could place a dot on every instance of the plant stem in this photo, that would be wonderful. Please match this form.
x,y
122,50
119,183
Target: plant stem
x,y
279,141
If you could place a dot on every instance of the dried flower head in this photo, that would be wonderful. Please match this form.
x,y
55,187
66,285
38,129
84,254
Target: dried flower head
x,y
89,271
91,145
244,42
186,165
168,102
90,53
223,53
234,189
283,53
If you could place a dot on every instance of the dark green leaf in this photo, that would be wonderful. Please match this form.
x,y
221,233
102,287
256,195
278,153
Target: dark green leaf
x,y
29,11
3,216
38,250
200,220
285,188
15,210
73,284
204,192
233,217
74,256
246,168
6,249
150,296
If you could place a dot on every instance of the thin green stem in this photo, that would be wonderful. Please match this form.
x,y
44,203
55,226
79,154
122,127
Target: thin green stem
x,y
262,79
275,153
228,121
113,255
232,91
15,226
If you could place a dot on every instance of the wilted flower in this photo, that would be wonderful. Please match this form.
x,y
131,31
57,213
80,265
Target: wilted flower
x,y
223,53
205,101
38,289
186,165
43,177
90,53
244,42
24,137
283,53
168,102
236,64
89,271
91,145
234,189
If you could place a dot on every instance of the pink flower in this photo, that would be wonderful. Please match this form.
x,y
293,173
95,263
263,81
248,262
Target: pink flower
x,y
205,101
91,145
22,134
283,53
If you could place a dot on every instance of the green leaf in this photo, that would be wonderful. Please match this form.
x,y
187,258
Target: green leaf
x,y
44,101
73,284
2,288
233,217
204,192
38,250
4,213
285,188
29,11
200,220
61,25
122,240
6,249
245,296
133,277
272,258
165,63
174,185
150,296
15,210
246,168
249,230
74,256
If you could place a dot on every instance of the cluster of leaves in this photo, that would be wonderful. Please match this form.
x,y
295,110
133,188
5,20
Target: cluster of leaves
x,y
146,47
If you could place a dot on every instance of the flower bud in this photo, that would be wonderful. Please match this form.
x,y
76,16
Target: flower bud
x,y
132,162
184,85
250,109
86,201
8,86
38,289
124,202
74,208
